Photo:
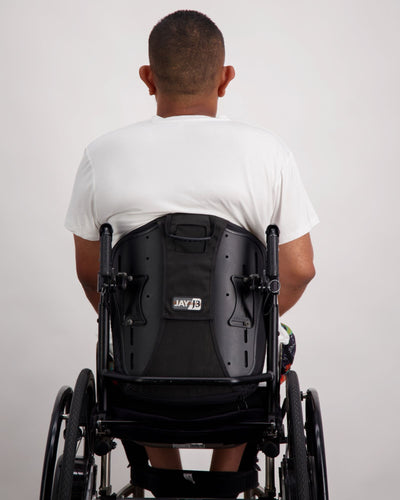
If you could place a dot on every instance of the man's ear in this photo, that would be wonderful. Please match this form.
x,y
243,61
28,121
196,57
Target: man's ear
x,y
146,74
227,75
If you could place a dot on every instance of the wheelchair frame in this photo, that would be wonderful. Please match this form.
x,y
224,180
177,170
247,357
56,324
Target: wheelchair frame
x,y
303,468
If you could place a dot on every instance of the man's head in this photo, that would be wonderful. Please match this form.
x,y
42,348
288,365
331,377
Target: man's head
x,y
186,52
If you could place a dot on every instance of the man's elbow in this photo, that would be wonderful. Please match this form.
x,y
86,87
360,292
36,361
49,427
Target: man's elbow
x,y
87,278
304,275
89,287
298,278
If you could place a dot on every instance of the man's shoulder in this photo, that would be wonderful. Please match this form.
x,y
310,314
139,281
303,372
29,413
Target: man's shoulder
x,y
235,131
116,135
265,137
257,130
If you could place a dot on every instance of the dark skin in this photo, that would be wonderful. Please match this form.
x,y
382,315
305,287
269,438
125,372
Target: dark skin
x,y
201,104
295,257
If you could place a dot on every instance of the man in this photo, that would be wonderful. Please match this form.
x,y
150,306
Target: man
x,y
187,160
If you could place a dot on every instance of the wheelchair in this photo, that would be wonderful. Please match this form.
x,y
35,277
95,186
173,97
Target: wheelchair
x,y
189,304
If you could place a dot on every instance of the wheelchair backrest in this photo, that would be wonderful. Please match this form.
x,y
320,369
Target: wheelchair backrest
x,y
185,305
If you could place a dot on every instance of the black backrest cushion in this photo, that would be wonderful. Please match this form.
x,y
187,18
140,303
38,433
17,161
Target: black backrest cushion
x,y
188,310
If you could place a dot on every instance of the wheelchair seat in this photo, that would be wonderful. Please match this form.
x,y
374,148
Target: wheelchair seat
x,y
189,303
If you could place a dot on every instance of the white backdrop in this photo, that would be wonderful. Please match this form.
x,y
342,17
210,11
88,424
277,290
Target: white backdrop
x,y
325,76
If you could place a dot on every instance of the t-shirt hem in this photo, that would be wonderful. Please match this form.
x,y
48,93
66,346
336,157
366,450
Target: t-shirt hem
x,y
81,233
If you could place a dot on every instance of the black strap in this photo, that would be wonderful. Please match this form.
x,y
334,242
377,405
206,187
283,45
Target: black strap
x,y
192,483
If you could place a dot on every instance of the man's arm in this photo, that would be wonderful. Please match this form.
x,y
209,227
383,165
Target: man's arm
x,y
296,269
87,256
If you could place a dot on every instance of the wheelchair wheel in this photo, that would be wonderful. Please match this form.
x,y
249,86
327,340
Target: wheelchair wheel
x,y
294,470
60,408
75,476
316,446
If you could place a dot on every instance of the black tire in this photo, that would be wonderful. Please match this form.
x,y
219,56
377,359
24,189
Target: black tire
x,y
54,495
295,464
316,446
77,473
60,408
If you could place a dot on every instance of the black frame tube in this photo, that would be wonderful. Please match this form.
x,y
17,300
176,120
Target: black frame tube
x,y
105,251
272,237
249,379
104,287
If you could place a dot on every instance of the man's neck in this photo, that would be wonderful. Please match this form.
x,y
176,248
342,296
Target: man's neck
x,y
189,105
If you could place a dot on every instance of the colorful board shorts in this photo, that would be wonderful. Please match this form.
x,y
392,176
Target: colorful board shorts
x,y
288,352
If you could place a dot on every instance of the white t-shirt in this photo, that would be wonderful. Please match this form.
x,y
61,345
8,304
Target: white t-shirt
x,y
192,164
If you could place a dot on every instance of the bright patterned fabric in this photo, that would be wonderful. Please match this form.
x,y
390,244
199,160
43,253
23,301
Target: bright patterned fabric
x,y
288,352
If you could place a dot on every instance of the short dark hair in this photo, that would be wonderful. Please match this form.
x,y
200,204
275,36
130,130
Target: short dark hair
x,y
186,50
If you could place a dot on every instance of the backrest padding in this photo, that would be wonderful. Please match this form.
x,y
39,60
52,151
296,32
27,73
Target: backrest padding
x,y
188,311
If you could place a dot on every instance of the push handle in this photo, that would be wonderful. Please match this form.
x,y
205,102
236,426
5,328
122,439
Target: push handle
x,y
105,250
273,363
103,282
272,234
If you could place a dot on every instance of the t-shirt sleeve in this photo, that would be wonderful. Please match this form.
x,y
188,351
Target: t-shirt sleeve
x,y
293,213
81,218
